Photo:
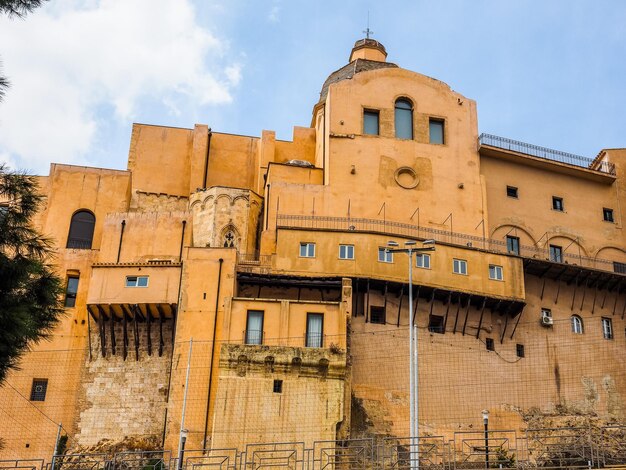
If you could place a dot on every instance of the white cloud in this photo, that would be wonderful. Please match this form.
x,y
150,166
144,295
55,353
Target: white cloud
x,y
274,14
75,59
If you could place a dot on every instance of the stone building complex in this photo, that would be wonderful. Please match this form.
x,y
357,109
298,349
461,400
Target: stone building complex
x,y
239,287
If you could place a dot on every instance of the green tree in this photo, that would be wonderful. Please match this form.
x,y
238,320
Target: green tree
x,y
18,8
30,291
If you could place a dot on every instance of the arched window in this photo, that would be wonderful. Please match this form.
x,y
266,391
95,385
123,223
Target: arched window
x,y
229,239
404,119
81,230
577,325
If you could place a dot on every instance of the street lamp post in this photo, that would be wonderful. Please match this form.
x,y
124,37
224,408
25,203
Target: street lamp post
x,y
486,423
394,247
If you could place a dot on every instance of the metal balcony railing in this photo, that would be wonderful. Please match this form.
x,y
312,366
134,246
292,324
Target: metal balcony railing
x,y
546,153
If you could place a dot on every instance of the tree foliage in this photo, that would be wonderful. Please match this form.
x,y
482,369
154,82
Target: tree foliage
x,y
19,7
30,291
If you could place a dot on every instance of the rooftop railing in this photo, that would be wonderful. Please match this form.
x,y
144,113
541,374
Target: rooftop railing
x,y
546,153
386,227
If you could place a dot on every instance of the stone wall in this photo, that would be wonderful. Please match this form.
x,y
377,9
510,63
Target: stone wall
x,y
278,394
124,400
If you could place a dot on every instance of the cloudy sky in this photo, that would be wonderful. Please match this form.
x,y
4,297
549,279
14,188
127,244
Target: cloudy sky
x,y
552,73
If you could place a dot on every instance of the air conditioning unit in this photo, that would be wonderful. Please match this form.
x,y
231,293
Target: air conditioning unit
x,y
546,319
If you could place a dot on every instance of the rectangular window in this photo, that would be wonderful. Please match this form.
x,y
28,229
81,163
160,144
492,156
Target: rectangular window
x,y
254,327
490,344
385,256
422,261
511,191
71,290
557,203
38,390
619,267
378,315
556,253
512,245
346,251
136,281
371,120
495,272
436,324
307,250
314,330
459,266
607,214
607,328
519,349
435,127
278,386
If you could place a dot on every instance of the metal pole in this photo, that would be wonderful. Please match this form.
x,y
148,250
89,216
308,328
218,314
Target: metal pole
x,y
486,422
56,444
182,432
415,366
413,458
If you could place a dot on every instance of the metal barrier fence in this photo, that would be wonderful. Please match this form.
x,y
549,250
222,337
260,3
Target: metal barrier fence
x,y
556,448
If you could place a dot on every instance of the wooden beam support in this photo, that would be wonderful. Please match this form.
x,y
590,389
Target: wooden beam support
x,y
432,302
149,328
518,319
480,322
161,342
112,330
458,308
543,288
445,319
135,309
367,304
582,302
125,336
174,312
506,322
469,302
385,303
595,294
400,304
558,290
102,330
615,303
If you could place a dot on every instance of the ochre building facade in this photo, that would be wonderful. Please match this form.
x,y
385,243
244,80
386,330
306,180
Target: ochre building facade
x,y
239,289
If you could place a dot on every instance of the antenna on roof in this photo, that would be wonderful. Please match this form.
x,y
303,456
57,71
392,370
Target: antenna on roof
x,y
368,31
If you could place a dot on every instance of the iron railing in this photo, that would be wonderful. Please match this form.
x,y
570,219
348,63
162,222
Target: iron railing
x,y
546,153
555,448
385,227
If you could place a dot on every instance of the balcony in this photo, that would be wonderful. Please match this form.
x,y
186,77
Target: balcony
x,y
543,153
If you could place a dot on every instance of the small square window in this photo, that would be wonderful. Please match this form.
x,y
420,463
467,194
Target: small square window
x,y
422,261
607,328
490,344
519,349
278,386
371,119
557,203
378,315
70,291
512,245
511,191
556,253
307,250
346,251
619,267
459,266
38,390
136,281
436,324
607,214
385,256
495,272
436,127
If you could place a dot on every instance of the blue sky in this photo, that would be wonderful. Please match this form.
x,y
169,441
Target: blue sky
x,y
551,73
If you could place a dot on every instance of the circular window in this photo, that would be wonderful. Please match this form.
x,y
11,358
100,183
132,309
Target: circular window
x,y
406,177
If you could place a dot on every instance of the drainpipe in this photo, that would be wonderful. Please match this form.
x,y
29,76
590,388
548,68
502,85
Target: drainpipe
x,y
208,397
182,239
206,160
119,249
